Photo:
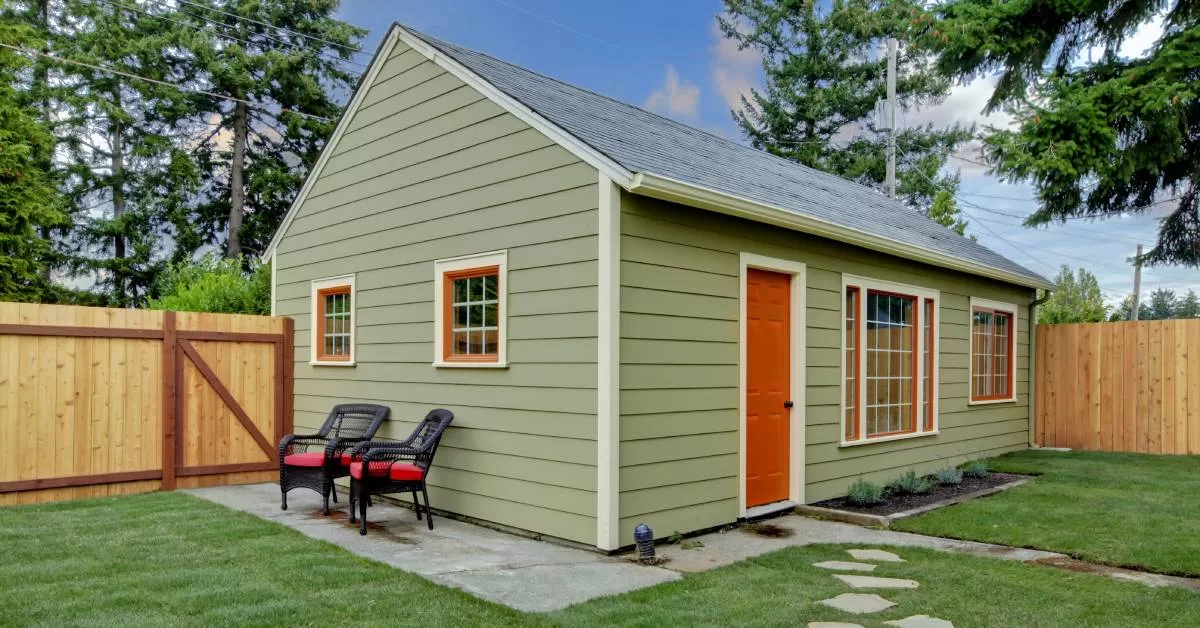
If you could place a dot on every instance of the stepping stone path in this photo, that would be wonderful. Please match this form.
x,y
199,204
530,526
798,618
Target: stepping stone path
x,y
871,582
842,565
863,603
920,621
859,603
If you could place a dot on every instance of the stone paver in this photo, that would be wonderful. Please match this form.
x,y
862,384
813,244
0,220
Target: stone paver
x,y
876,555
843,565
516,571
920,621
859,603
871,582
832,624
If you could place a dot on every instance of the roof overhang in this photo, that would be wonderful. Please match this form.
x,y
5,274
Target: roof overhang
x,y
668,189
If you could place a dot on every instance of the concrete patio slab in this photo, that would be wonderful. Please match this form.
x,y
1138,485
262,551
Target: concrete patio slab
x,y
519,572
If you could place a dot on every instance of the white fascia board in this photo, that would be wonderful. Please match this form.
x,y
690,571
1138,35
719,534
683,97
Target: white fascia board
x,y
596,159
665,188
364,86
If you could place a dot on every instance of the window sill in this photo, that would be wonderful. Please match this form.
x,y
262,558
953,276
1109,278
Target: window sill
x,y
470,365
984,402
887,439
331,363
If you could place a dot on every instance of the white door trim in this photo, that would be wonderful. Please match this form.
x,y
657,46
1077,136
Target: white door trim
x,y
798,285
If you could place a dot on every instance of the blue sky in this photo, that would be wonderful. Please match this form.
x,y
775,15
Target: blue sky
x,y
667,56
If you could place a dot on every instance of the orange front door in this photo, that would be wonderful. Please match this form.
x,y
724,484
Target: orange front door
x,y
768,386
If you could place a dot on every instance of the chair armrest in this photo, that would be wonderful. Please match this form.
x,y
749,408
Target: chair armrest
x,y
336,446
392,454
361,448
289,443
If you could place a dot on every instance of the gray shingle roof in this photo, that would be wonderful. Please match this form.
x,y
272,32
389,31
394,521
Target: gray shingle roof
x,y
641,141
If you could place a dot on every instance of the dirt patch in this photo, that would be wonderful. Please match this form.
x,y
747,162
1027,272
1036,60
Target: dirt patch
x,y
901,503
768,530
1149,579
375,529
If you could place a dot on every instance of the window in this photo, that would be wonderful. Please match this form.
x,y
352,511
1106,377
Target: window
x,y
889,361
470,311
993,337
333,321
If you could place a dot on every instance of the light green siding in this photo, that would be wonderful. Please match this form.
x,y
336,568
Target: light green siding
x,y
679,365
429,169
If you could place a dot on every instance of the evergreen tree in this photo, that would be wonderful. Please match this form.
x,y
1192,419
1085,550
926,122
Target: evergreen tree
x,y
944,211
1188,306
824,74
1075,299
1163,304
283,77
1098,134
30,203
1124,311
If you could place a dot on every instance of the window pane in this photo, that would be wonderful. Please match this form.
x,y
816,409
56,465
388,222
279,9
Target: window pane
x,y
491,315
476,342
475,289
460,343
460,316
460,290
475,318
490,285
491,342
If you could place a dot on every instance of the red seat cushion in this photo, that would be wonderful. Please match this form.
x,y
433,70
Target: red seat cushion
x,y
406,471
306,459
346,459
378,469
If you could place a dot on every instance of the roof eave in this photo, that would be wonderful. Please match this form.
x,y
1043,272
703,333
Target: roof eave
x,y
666,188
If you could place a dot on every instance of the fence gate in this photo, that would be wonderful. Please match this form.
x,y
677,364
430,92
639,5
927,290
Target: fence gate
x,y
97,401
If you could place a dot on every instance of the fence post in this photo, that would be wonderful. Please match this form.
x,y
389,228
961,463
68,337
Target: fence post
x,y
289,374
168,401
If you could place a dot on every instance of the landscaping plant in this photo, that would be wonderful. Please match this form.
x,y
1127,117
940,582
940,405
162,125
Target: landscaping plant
x,y
911,484
949,476
863,493
975,468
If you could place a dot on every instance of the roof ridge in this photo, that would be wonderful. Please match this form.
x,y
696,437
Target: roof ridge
x,y
689,127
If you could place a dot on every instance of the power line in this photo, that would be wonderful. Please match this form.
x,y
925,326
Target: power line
x,y
558,24
158,82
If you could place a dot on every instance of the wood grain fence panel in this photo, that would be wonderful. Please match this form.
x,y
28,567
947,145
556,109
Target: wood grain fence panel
x,y
97,401
1130,386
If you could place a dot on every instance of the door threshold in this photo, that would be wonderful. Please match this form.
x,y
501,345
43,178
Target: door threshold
x,y
767,510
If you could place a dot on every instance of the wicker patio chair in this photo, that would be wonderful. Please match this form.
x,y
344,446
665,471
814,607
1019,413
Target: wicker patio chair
x,y
396,466
314,461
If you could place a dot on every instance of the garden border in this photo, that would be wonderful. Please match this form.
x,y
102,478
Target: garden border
x,y
885,521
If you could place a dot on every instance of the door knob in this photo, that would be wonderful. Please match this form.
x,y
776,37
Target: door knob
x,y
788,404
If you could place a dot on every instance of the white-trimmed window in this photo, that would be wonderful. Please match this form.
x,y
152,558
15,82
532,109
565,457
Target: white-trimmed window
x,y
470,311
889,360
333,321
992,367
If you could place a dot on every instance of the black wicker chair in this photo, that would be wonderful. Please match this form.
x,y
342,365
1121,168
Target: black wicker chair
x,y
396,466
314,461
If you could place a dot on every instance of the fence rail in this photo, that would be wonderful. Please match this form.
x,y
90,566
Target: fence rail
x,y
99,401
1129,386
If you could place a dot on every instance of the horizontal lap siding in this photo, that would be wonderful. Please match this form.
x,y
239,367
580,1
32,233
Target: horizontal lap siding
x,y
679,365
429,169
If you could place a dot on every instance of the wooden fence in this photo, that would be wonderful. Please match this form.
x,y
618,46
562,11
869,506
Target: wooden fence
x,y
1132,386
97,401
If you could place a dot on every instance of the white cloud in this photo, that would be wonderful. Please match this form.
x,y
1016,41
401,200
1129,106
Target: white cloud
x,y
678,99
734,72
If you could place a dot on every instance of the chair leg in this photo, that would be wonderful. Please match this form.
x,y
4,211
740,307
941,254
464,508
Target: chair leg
x,y
326,487
353,498
362,506
416,505
283,506
333,490
428,514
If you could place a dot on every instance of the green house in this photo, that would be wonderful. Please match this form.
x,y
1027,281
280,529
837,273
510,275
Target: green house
x,y
633,320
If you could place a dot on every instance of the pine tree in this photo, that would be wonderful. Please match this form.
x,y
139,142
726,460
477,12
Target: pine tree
x,y
1098,134
945,212
824,74
1124,311
1163,304
288,72
30,203
1075,299
1188,306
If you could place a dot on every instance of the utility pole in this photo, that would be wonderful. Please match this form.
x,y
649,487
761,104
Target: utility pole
x,y
890,112
1137,284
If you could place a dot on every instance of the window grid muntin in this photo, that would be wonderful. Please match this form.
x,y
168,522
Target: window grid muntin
x,y
889,347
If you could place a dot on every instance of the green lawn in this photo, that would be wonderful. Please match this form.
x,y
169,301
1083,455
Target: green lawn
x,y
1127,510
170,559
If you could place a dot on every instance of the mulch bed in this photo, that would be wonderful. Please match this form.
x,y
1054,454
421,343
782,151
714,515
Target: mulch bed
x,y
900,503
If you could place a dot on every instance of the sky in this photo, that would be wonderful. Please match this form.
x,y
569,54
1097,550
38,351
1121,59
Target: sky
x,y
669,57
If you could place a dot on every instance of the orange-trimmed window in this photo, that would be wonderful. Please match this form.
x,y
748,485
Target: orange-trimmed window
x,y
993,337
889,363
333,321
471,307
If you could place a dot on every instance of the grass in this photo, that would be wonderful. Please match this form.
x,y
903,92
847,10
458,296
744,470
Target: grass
x,y
170,559
1128,510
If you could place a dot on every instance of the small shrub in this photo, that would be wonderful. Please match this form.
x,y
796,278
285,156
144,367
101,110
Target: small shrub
x,y
863,493
910,484
975,468
949,476
675,538
214,284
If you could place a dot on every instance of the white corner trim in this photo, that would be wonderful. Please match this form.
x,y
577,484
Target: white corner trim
x,y
655,186
467,262
579,148
608,379
1010,308
921,293
377,63
274,280
321,284
798,287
